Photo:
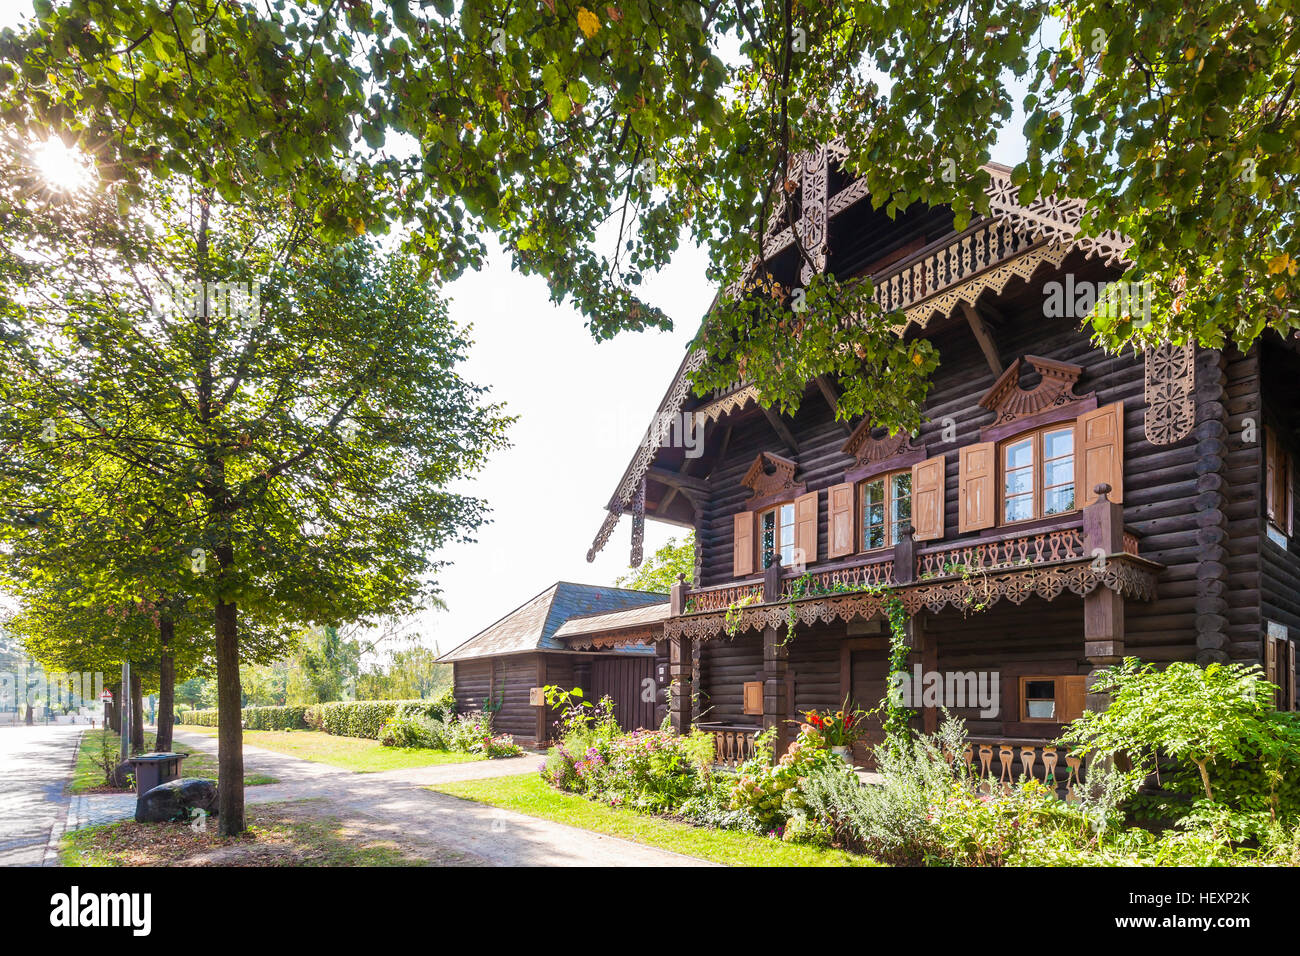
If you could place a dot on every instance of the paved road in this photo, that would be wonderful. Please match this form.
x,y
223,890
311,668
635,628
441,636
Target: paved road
x,y
396,805
35,765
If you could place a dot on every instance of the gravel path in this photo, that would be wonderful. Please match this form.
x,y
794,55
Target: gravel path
x,y
394,803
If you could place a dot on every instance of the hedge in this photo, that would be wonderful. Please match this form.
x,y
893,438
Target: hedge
x,y
354,718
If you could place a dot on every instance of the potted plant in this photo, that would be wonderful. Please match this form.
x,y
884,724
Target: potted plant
x,y
839,729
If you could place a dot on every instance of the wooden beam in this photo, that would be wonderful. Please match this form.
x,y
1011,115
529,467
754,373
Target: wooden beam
x,y
832,396
984,337
677,480
781,430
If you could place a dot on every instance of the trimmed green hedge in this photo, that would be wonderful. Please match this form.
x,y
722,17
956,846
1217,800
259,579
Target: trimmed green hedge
x,y
354,718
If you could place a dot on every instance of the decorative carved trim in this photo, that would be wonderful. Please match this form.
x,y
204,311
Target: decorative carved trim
x,y
770,475
1130,577
866,449
646,635
638,525
1170,384
732,401
1009,402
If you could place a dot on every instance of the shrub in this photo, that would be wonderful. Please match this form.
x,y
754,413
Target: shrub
x,y
770,792
408,730
355,718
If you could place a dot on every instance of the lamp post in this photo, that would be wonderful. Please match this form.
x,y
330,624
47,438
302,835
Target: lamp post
x,y
124,708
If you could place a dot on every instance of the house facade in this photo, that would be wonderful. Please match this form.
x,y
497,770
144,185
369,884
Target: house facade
x,y
1059,509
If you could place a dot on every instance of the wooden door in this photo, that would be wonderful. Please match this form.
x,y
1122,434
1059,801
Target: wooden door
x,y
630,681
868,678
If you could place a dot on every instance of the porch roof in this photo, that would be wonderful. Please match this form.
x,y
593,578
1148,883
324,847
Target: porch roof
x,y
535,624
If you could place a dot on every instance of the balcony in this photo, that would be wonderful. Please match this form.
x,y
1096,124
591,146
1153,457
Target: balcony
x,y
1079,554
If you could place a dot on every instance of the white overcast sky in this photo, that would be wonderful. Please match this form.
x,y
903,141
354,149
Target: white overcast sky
x,y
582,409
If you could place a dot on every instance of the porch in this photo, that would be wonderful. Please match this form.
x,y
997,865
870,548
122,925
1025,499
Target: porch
x,y
732,640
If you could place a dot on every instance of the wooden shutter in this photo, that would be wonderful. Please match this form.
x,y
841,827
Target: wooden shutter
x,y
841,525
1270,475
1271,648
976,476
927,498
805,526
1073,699
754,697
742,544
1099,453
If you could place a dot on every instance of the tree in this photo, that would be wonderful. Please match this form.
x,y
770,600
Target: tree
x,y
595,139
661,571
411,673
296,408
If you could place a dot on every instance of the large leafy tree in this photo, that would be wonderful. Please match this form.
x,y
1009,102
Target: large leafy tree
x,y
594,137
298,436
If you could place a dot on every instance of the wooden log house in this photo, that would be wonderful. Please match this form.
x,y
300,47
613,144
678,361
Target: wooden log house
x,y
1060,508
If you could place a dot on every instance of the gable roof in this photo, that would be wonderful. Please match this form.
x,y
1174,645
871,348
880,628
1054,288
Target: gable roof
x,y
1019,239
532,625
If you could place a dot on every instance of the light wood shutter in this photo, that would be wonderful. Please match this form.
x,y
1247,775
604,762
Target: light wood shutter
x,y
1073,699
753,697
805,526
840,521
976,497
1099,453
927,498
742,544
1271,648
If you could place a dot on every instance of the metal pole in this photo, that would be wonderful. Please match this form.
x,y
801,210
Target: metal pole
x,y
124,708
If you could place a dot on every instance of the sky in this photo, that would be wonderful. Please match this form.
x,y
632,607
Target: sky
x,y
583,407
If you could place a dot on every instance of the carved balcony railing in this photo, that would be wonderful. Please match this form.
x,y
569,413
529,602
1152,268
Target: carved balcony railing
x,y
705,600
1076,556
854,577
999,762
733,744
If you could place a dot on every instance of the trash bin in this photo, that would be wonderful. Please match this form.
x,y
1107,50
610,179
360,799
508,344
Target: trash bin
x,y
154,768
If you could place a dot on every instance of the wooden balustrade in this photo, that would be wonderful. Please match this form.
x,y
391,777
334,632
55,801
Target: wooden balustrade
x,y
999,553
1001,762
720,598
733,744
852,578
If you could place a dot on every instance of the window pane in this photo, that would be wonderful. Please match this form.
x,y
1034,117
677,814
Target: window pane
x,y
875,536
873,492
1040,689
901,484
1020,508
1058,500
1040,709
1060,472
1019,482
769,537
1058,443
1020,454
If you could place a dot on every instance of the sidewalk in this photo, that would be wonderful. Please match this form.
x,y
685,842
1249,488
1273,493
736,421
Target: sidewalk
x,y
394,803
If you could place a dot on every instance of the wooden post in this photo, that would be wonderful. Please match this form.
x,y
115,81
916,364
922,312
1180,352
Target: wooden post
x,y
772,580
678,594
905,555
1103,609
776,703
923,642
679,677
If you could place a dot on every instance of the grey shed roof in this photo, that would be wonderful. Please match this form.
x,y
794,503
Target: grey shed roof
x,y
614,620
532,626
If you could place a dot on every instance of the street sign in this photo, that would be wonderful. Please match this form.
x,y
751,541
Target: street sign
x,y
107,697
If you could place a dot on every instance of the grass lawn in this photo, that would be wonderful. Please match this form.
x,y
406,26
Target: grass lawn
x,y
350,753
89,774
529,794
296,834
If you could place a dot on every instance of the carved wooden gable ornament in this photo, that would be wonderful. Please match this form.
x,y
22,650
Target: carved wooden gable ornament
x,y
866,447
1009,402
1170,385
771,475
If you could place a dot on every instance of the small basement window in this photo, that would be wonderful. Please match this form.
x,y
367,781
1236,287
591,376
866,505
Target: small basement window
x,y
1052,699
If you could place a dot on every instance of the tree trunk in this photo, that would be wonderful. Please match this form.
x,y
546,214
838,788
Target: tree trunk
x,y
115,708
166,685
137,714
230,729
30,717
